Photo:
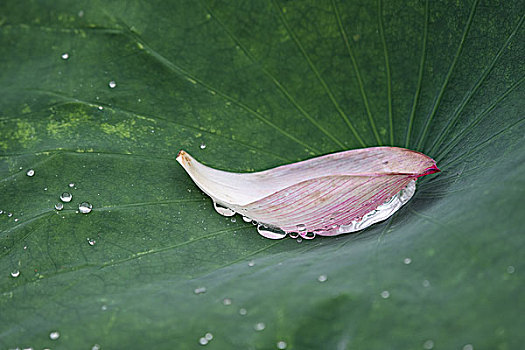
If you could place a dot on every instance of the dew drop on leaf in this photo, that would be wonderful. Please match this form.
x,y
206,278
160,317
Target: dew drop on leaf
x,y
270,232
322,278
385,294
243,312
200,290
85,207
428,345
64,56
66,197
224,211
112,84
59,206
30,172
15,273
281,345
54,335
260,326
293,235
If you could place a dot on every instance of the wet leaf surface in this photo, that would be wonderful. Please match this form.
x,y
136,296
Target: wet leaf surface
x,y
103,96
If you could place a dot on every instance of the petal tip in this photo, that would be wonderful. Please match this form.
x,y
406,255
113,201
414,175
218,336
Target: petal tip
x,y
431,170
182,157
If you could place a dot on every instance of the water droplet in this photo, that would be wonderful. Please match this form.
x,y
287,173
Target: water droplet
x,y
203,341
407,261
301,227
251,263
322,278
468,347
385,294
1,211
100,107
260,326
299,240
203,145
9,215
200,290
233,219
308,235
104,307
246,219
426,283
112,84
54,335
428,345
91,241
65,56
208,336
85,207
223,210
71,185
270,232
59,206
81,14
293,235
16,220
66,197
510,269
382,212
281,345
30,172
243,311
227,301
95,347
15,273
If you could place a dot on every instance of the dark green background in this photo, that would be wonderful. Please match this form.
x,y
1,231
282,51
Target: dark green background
x,y
260,83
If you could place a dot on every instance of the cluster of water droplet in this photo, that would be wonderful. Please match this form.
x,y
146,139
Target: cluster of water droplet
x,y
206,339
381,213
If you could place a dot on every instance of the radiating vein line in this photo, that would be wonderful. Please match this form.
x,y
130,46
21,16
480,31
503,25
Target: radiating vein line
x,y
481,144
281,88
478,119
24,222
137,115
318,75
243,258
354,65
182,72
143,204
84,152
387,66
449,74
174,246
420,76
471,92
35,165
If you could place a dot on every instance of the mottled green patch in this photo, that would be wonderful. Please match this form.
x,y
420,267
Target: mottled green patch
x,y
124,130
21,134
73,120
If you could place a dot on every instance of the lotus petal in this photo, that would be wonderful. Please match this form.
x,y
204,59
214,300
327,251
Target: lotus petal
x,y
328,195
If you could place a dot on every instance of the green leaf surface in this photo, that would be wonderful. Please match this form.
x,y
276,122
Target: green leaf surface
x,y
243,86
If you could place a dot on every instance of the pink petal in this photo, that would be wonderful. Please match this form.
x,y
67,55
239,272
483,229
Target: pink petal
x,y
328,195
